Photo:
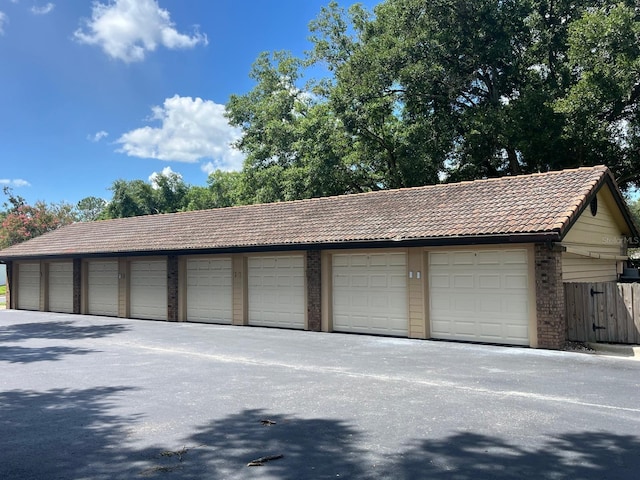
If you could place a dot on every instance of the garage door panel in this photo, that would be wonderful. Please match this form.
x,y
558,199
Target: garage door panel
x,y
370,293
480,295
340,281
61,287
379,281
357,261
462,258
465,328
464,305
210,290
276,291
516,282
491,330
515,306
397,260
463,281
490,282
102,296
438,259
488,258
490,306
285,281
440,281
29,286
148,289
518,257
380,260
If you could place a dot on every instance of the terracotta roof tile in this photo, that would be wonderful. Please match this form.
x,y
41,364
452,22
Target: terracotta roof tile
x,y
539,203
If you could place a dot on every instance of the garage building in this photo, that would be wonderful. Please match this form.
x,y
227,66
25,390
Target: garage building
x,y
481,261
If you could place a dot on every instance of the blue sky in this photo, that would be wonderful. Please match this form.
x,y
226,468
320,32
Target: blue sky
x,y
91,92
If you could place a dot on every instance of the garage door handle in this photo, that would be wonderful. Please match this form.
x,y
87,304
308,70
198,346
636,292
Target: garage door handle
x,y
598,327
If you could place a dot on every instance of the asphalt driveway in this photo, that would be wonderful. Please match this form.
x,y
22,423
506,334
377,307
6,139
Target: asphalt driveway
x,y
102,398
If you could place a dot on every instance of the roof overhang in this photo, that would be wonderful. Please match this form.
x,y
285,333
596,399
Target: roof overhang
x,y
501,239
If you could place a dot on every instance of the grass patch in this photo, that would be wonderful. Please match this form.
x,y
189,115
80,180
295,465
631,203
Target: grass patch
x,y
3,289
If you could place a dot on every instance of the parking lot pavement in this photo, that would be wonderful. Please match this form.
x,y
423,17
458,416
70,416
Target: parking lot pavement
x,y
105,398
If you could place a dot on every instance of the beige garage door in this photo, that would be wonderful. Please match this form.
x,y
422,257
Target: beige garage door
x,y
61,287
29,286
276,291
102,298
480,295
209,290
370,293
148,289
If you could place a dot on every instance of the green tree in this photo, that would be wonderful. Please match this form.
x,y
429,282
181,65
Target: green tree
x,y
169,191
131,199
294,144
450,90
602,106
164,193
90,208
223,190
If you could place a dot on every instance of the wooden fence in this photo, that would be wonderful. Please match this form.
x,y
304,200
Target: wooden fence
x,y
603,312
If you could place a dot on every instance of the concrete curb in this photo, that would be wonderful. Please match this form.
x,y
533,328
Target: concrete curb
x,y
628,351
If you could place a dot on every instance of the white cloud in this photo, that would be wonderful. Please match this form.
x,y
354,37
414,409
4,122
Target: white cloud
x,y
96,137
3,21
16,182
208,168
192,129
166,172
128,29
48,8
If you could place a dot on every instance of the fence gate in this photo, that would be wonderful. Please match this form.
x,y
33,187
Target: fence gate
x,y
603,312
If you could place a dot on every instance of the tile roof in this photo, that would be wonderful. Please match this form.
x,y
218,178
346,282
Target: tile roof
x,y
507,207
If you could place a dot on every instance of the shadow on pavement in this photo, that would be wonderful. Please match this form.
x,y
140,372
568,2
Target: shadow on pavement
x,y
467,456
62,330
71,434
63,433
324,449
311,448
14,354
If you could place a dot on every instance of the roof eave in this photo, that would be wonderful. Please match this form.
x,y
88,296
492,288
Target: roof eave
x,y
462,240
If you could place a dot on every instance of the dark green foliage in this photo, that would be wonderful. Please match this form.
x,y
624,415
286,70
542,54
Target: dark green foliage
x,y
447,90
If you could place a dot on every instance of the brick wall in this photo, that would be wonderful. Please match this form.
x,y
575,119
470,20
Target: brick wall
x,y
172,288
552,330
314,288
77,285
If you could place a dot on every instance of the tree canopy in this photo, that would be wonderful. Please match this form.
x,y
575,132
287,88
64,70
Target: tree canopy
x,y
421,92
20,221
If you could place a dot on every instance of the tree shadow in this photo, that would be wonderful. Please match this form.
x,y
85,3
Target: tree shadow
x,y
310,448
69,434
14,354
64,433
61,330
467,456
